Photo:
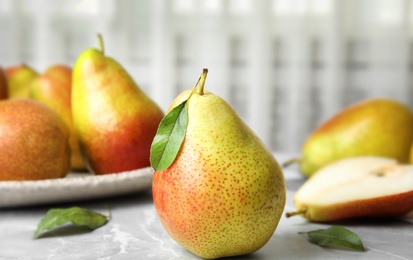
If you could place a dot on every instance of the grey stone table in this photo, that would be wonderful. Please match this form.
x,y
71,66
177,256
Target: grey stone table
x,y
135,232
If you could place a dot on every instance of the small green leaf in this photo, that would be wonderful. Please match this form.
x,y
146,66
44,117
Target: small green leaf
x,y
75,215
169,137
335,236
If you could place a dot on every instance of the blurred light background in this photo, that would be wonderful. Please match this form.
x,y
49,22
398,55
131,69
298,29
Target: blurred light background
x,y
284,65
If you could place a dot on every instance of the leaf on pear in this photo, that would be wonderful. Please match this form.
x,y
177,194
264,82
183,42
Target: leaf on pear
x,y
169,137
337,237
75,215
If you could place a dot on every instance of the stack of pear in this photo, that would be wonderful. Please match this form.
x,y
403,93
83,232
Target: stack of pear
x,y
53,88
224,193
114,119
376,127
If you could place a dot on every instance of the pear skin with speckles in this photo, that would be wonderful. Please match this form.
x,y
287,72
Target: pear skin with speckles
x,y
225,193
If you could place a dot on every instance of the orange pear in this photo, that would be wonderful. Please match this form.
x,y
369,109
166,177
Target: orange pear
x,y
33,141
377,127
19,78
115,120
53,88
366,186
224,193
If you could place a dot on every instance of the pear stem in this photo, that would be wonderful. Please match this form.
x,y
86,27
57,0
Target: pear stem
x,y
291,161
295,213
200,89
101,45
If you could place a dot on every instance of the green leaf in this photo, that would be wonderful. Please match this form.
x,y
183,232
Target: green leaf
x,y
75,215
171,131
169,137
335,236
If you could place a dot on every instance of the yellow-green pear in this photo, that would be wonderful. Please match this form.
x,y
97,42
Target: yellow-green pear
x,y
378,127
365,186
19,78
33,141
53,88
114,119
224,193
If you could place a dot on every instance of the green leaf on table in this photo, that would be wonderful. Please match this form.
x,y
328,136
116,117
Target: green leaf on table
x,y
169,137
75,215
335,236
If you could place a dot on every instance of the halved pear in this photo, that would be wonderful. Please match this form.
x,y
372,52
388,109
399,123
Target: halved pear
x,y
356,187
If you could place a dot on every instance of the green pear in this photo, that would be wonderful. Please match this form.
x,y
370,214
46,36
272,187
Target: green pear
x,y
19,78
378,127
224,193
366,186
114,119
33,141
4,92
53,88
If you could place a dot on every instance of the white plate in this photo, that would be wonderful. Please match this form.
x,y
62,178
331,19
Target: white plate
x,y
75,187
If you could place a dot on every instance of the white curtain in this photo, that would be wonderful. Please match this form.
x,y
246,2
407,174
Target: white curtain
x,y
284,65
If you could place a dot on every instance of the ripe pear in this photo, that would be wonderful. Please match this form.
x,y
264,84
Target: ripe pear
x,y
377,127
114,119
365,186
53,88
33,141
19,78
4,92
224,193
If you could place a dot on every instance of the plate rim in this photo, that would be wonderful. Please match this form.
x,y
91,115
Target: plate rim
x,y
71,188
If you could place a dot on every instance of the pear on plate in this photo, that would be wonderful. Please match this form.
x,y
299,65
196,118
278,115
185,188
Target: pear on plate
x,y
114,119
4,92
365,186
19,78
224,193
53,88
33,141
377,127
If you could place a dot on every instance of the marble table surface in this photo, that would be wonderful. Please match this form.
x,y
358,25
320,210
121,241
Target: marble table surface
x,y
135,232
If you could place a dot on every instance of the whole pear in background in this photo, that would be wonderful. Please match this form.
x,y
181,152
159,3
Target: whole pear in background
x,y
115,120
33,141
377,127
19,79
53,88
366,186
224,193
4,92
